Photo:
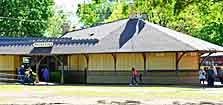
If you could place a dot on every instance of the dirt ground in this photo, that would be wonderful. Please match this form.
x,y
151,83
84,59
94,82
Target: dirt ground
x,y
95,100
30,96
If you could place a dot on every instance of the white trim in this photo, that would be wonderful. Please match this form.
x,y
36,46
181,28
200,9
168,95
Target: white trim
x,y
43,44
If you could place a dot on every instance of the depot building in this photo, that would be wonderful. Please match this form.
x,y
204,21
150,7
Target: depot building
x,y
105,54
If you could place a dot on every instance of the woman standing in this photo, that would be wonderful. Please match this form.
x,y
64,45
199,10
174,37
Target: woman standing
x,y
202,76
134,75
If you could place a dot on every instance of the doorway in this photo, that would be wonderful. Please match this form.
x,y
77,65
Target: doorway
x,y
49,62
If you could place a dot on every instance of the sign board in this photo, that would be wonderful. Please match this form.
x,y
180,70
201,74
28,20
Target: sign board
x,y
43,44
26,59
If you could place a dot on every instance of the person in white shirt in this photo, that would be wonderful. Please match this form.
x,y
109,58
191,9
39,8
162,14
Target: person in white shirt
x,y
215,71
202,76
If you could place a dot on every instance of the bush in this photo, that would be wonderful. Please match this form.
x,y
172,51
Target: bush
x,y
55,77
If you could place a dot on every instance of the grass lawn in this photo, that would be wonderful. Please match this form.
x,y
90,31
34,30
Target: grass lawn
x,y
15,92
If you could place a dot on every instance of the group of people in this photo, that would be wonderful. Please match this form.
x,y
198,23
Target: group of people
x,y
210,74
26,75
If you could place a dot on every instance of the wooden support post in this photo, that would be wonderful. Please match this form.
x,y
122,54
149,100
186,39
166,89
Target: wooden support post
x,y
204,59
178,58
115,61
62,71
37,67
144,58
86,69
87,60
177,61
199,60
62,74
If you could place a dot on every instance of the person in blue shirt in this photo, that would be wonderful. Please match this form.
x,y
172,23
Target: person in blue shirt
x,y
46,75
211,74
21,74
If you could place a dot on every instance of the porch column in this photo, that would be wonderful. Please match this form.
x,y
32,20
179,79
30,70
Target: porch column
x,y
178,58
86,69
115,60
87,60
37,66
144,60
205,58
62,71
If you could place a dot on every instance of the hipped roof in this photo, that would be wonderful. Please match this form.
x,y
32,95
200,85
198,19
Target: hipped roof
x,y
137,35
126,35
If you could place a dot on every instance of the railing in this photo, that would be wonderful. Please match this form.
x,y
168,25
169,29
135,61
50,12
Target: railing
x,y
5,77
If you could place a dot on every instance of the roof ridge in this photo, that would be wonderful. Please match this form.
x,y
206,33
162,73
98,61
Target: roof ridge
x,y
92,27
114,30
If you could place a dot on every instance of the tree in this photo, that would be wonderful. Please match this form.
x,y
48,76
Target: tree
x,y
55,24
94,12
120,11
24,17
212,32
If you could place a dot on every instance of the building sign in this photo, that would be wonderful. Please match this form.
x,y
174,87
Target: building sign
x,y
43,44
26,59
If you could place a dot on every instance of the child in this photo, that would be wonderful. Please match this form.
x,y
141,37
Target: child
x,y
202,76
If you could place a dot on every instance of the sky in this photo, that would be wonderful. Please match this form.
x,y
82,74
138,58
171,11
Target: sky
x,y
70,7
67,5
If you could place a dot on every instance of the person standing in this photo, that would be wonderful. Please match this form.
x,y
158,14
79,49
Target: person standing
x,y
220,75
211,76
202,76
21,74
46,75
134,75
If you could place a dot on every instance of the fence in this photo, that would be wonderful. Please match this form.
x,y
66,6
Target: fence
x,y
9,77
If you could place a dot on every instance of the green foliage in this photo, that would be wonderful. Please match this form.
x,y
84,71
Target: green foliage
x,y
94,12
24,17
212,32
121,10
55,24
55,77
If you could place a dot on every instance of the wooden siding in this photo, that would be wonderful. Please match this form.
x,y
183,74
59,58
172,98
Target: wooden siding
x,y
189,61
160,61
7,63
154,77
101,62
160,68
77,62
127,61
17,63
